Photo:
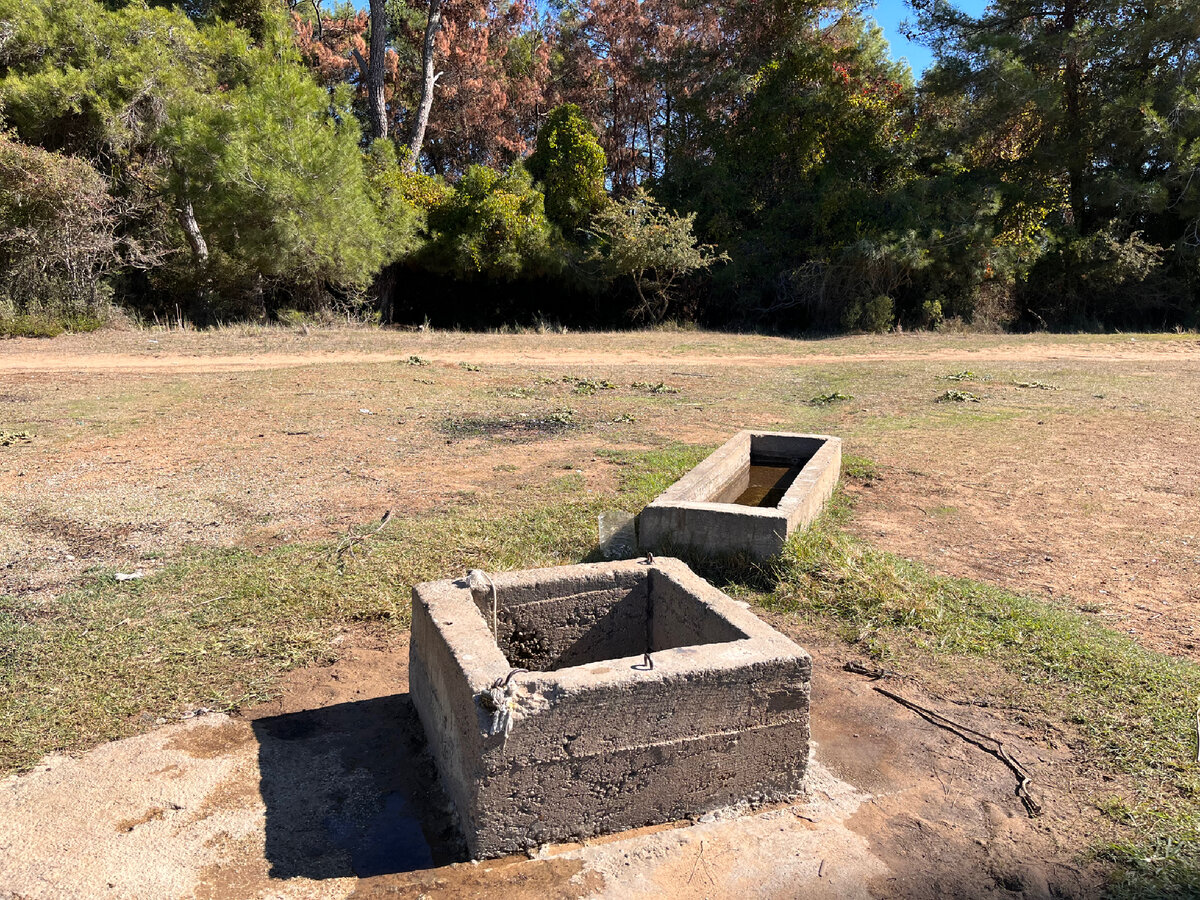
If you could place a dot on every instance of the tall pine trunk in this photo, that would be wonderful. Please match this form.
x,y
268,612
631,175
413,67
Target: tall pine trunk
x,y
428,79
191,230
377,107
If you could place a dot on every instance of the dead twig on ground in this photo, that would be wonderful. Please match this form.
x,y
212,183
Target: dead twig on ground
x,y
348,542
700,859
874,674
1198,733
985,742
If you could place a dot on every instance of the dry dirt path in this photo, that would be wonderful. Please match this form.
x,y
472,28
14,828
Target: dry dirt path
x,y
32,362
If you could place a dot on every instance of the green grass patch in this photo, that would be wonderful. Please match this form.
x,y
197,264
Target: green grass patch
x,y
216,628
859,468
831,397
44,326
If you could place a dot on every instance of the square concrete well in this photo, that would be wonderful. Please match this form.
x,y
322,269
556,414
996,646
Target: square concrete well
x,y
746,497
592,739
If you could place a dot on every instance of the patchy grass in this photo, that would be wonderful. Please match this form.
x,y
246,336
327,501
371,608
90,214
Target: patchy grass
x,y
831,397
658,387
526,426
859,468
1134,710
217,628
1037,385
588,386
1131,711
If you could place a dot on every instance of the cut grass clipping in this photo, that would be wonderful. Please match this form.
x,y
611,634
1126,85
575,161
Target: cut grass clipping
x,y
832,397
958,397
964,375
217,628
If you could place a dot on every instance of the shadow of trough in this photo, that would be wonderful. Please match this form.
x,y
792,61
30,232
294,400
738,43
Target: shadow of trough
x,y
350,790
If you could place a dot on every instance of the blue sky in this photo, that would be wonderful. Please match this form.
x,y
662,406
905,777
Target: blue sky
x,y
890,13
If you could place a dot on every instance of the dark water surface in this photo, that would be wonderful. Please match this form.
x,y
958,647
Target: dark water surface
x,y
768,484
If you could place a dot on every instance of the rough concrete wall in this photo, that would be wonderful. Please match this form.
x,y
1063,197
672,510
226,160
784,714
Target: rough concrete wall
x,y
784,449
610,744
814,486
534,585
686,516
442,694
679,620
712,528
637,785
552,634
716,475
614,705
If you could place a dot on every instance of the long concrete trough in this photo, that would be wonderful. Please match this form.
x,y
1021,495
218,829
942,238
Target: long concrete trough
x,y
616,695
746,497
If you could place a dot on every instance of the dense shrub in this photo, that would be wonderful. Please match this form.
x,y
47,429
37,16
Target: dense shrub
x,y
492,225
640,240
241,175
56,241
569,165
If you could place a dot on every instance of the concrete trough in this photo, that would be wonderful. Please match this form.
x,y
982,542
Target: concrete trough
x,y
746,497
618,695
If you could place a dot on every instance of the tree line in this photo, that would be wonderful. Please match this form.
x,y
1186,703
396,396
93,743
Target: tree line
x,y
749,163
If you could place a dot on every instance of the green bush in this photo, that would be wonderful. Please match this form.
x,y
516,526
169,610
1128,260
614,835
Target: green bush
x,y
876,316
46,326
493,225
879,315
402,198
569,164
56,241
639,239
931,313
198,114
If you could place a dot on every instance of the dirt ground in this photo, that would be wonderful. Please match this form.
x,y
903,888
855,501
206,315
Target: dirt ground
x,y
148,442
326,793
1075,477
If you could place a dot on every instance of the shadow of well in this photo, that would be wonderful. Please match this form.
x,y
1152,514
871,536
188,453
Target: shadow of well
x,y
350,790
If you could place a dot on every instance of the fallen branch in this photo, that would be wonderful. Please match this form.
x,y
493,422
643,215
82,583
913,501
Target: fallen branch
x,y
348,542
983,741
